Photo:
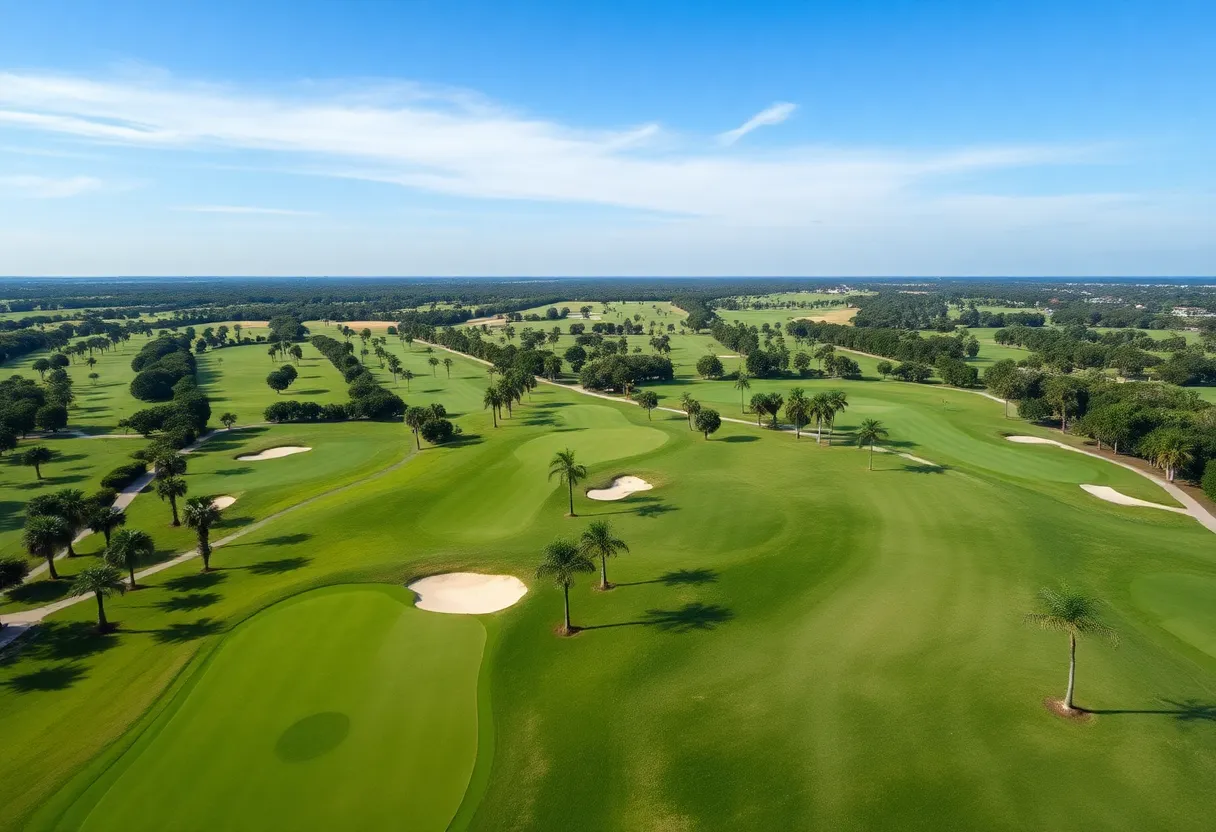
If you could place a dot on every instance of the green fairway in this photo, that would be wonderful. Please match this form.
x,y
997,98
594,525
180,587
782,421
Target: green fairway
x,y
298,705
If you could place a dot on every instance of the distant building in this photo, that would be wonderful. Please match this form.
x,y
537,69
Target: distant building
x,y
1192,312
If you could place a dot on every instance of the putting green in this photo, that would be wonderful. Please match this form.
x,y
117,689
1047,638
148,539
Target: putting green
x,y
341,703
1183,604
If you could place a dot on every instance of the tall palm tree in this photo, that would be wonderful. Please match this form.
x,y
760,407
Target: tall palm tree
x,y
434,362
819,409
838,401
103,581
687,403
201,515
105,518
797,410
1071,612
407,374
44,535
564,467
170,488
129,548
562,562
743,383
71,505
1172,454
598,542
447,365
493,400
869,432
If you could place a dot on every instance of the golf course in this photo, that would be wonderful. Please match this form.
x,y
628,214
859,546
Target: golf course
x,y
818,626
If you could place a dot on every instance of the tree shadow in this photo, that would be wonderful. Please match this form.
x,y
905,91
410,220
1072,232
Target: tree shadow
x,y
693,616
40,592
1187,710
67,640
654,510
189,603
680,577
197,581
284,539
10,515
58,677
187,631
234,472
919,468
278,567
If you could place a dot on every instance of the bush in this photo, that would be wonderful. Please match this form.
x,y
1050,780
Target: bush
x,y
438,431
52,417
124,475
380,404
13,571
709,366
1209,479
1035,410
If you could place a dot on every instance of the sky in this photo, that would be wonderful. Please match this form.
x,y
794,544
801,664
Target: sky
x,y
371,137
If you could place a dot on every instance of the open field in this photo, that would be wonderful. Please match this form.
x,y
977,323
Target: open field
x,y
860,632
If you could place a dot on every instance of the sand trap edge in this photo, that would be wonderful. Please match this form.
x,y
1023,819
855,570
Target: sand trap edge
x,y
620,488
273,453
467,593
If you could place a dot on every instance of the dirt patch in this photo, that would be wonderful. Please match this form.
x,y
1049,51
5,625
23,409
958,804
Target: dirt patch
x,y
1056,706
833,316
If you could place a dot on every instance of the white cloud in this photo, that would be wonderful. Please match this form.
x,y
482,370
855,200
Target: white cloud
x,y
47,187
243,209
774,114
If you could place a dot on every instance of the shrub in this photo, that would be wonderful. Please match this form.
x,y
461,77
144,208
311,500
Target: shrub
x,y
1209,479
438,431
124,475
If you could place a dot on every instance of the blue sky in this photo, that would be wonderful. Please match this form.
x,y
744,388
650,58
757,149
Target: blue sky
x,y
623,138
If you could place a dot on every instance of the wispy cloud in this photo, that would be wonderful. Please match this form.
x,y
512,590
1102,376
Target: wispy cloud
x,y
243,209
774,114
47,187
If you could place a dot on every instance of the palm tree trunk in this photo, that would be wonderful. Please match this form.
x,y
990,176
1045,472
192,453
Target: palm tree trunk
x,y
566,601
50,565
570,484
494,414
101,612
1006,408
131,571
603,572
871,456
173,507
71,551
1072,669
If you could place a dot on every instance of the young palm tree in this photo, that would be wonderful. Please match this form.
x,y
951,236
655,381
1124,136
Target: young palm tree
x,y
1071,612
598,542
447,365
415,418
434,362
743,383
869,432
170,488
563,561
103,581
43,537
797,410
71,505
493,400
105,519
567,471
201,515
407,375
129,548
1173,453
819,409
687,402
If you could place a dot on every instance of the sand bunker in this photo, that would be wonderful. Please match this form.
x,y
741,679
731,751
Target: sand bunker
x,y
223,502
621,488
467,593
273,453
1105,492
1033,440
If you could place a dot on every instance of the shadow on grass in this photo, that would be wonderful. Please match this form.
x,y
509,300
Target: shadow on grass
x,y
68,640
195,582
187,631
1187,710
681,577
189,603
233,472
40,592
918,468
691,617
58,677
282,540
278,567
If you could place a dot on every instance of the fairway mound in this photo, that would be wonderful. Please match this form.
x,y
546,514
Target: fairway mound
x,y
1105,492
273,453
467,593
223,502
621,488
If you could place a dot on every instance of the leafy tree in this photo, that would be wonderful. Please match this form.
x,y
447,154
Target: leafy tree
x,y
1063,393
1209,479
228,420
709,366
278,381
599,541
438,431
802,363
648,400
707,421
93,378
868,433
201,514
415,418
1068,611
743,383
447,365
562,562
568,471
1006,381
41,365
798,410
171,488
103,517
434,362
884,368
8,440
43,536
36,457
128,549
13,571
1168,449
103,581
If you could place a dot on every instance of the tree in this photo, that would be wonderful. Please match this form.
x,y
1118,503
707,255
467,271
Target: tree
x,y
1168,449
837,402
278,381
36,457
103,581
103,517
93,378
41,366
167,462
434,362
1071,612
689,405
884,368
415,418
8,440
296,352
743,383
1063,393
128,549
802,363
408,375
598,541
394,367
648,400
201,514
563,560
13,571
170,488
868,433
447,365
568,471
708,421
438,431
709,366
228,420
798,410
43,536
1006,381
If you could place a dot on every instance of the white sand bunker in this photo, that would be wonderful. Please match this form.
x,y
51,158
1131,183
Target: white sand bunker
x,y
1105,492
467,593
223,502
621,488
1034,440
273,453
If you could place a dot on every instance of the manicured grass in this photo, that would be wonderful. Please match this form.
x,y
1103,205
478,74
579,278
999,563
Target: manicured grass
x,y
302,703
793,642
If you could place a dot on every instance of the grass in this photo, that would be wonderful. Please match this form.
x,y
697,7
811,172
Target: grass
x,y
793,641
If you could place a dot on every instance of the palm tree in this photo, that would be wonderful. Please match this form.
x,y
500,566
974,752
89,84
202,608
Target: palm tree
x,y
743,383
44,535
1076,614
128,549
838,402
568,471
415,418
36,457
447,365
493,400
434,362
71,505
170,488
201,515
105,518
1173,453
598,541
819,409
797,410
103,581
407,375
563,560
687,404
869,432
